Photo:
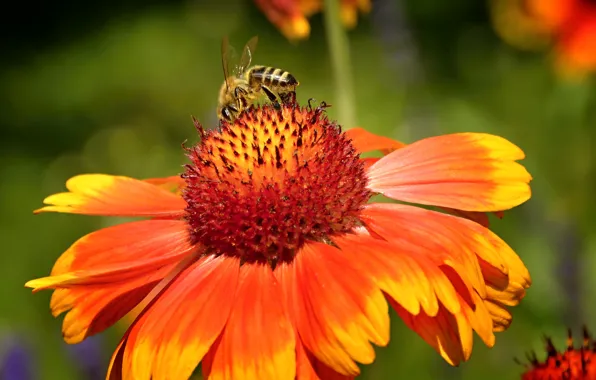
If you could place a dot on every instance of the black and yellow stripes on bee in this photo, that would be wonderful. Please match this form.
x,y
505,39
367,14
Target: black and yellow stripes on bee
x,y
243,85
271,77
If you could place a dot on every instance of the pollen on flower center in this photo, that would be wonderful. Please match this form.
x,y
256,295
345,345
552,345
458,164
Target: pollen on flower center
x,y
261,187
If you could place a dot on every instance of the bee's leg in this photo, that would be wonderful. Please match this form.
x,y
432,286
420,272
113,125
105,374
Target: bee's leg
x,y
241,94
270,94
230,112
227,114
288,97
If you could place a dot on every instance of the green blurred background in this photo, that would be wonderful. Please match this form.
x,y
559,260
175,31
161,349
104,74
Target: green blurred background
x,y
109,87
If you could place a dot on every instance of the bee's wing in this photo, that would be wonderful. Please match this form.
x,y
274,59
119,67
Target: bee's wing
x,y
227,59
247,53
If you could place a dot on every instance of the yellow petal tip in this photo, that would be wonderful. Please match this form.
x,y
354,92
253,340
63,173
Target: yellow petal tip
x,y
297,28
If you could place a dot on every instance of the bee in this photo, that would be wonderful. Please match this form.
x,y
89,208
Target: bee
x,y
243,85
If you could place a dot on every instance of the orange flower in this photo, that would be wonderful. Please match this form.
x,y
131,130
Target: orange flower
x,y
569,24
267,260
290,16
576,48
572,364
572,23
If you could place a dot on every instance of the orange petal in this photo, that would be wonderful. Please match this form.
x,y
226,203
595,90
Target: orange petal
x,y
174,184
295,28
337,308
576,48
119,253
552,14
460,237
108,272
304,366
477,316
404,273
369,161
287,16
124,244
97,307
444,239
438,331
258,342
180,324
116,367
504,290
508,288
478,217
464,171
364,141
500,315
101,194
451,334
310,368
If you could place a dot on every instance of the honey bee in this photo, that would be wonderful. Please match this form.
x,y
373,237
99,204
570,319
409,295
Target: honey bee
x,y
243,85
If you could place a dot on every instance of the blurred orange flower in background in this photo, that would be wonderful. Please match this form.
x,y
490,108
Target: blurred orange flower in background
x,y
568,25
290,16
575,363
266,259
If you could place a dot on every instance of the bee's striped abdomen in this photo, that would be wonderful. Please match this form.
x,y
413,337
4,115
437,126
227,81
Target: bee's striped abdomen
x,y
271,77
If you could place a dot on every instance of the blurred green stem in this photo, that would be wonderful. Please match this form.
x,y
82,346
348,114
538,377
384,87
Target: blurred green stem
x,y
339,49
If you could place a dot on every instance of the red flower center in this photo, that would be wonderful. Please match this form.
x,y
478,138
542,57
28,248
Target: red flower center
x,y
571,364
271,181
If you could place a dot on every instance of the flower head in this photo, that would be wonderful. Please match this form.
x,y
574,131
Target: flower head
x,y
265,259
572,364
570,25
291,16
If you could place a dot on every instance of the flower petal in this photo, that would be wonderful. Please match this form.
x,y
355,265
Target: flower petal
x,y
508,288
118,253
101,194
368,161
576,45
504,290
449,331
460,238
173,184
500,315
464,171
258,342
438,331
116,369
478,217
365,141
179,324
287,17
451,334
310,368
97,307
406,275
445,239
107,273
337,309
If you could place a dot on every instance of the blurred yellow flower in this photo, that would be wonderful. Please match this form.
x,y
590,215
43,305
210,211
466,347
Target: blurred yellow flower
x,y
291,16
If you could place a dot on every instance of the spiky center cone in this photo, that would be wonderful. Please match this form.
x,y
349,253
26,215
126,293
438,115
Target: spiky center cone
x,y
572,364
271,181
